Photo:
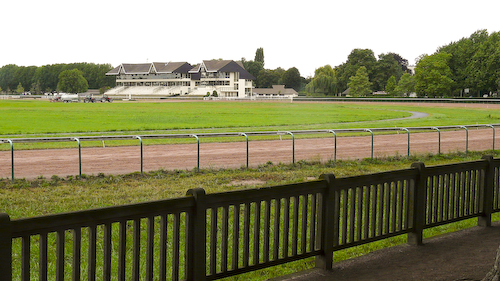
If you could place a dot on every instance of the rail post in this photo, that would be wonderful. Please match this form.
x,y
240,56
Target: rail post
x,y
418,195
370,131
293,143
198,154
79,157
196,237
5,247
487,194
439,139
335,145
466,138
11,158
293,147
408,132
491,126
246,137
329,231
142,161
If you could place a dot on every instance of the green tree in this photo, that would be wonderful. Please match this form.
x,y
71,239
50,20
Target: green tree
x,y
356,59
7,77
403,63
475,62
292,79
35,88
324,81
385,67
20,88
47,76
269,77
484,67
253,67
360,84
103,89
391,85
259,56
406,85
462,52
433,75
72,81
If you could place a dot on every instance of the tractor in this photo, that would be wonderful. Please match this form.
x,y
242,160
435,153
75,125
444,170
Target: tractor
x,y
105,98
89,99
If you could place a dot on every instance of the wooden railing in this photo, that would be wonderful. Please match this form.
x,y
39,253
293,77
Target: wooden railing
x,y
212,236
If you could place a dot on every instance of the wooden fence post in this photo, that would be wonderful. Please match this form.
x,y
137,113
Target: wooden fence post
x,y
418,196
487,194
329,229
5,247
196,237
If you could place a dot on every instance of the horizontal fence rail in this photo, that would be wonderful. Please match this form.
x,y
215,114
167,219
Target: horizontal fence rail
x,y
246,135
213,236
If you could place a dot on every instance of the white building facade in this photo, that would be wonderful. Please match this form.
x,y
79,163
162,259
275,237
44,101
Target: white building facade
x,y
223,78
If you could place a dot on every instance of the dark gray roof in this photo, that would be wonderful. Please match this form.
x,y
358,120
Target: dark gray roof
x,y
131,68
215,65
223,66
182,67
275,90
233,66
138,68
114,71
172,67
146,68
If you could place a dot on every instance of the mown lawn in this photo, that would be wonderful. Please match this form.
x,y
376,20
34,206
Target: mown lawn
x,y
41,117
33,117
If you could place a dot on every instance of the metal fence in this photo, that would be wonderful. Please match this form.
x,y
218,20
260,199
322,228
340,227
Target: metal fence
x,y
246,135
212,236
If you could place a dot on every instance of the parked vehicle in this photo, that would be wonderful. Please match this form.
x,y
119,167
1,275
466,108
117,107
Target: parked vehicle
x,y
105,98
55,99
69,97
89,99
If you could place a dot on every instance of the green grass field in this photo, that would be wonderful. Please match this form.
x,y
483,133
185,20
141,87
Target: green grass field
x,y
32,117
41,117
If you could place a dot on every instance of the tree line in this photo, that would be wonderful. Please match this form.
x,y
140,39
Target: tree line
x,y
45,79
468,67
266,78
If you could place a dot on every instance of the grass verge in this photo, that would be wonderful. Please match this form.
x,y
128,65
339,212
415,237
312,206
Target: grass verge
x,y
27,198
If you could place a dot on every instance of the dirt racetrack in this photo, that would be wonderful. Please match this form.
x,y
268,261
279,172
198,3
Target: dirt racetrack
x,y
121,160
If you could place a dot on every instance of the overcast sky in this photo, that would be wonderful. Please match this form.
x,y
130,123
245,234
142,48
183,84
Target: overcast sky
x,y
303,34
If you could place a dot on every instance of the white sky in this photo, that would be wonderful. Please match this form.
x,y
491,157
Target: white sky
x,y
302,34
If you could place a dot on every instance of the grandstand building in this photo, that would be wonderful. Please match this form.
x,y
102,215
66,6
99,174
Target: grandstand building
x,y
225,78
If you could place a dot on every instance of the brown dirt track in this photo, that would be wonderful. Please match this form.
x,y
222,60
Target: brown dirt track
x,y
120,160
